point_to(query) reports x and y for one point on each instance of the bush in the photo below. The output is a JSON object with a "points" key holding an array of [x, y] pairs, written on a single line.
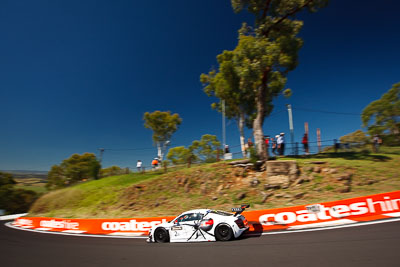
{"points": [[111, 171], [14, 200], [391, 140], [253, 155], [72, 170]]}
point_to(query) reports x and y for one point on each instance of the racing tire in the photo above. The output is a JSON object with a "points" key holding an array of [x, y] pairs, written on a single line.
{"points": [[223, 232], [161, 235]]}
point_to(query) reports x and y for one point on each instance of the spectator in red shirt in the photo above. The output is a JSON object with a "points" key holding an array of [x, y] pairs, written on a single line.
{"points": [[305, 143]]}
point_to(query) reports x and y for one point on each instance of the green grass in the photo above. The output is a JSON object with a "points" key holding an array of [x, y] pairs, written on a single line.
{"points": [[218, 185], [88, 198], [37, 185]]}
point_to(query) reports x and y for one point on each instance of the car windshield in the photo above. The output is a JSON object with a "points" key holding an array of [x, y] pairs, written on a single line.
{"points": [[188, 217]]}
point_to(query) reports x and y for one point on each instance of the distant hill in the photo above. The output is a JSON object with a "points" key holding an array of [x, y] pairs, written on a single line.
{"points": [[27, 173]]}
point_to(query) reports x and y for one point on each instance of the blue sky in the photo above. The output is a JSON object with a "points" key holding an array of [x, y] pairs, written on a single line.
{"points": [[76, 76]]}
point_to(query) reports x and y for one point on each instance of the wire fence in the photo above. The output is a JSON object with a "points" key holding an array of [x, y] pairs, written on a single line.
{"points": [[298, 149], [235, 152]]}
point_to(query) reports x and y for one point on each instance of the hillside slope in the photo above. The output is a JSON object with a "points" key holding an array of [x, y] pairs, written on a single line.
{"points": [[323, 177]]}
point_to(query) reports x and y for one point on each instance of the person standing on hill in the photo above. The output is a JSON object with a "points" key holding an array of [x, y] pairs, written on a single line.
{"points": [[305, 143], [139, 165], [281, 144], [227, 149], [377, 141], [154, 163], [248, 146], [266, 140], [274, 145]]}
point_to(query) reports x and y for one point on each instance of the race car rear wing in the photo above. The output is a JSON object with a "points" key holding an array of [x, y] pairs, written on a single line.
{"points": [[238, 211]]}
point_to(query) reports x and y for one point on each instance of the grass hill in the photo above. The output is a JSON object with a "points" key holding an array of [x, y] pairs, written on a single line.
{"points": [[323, 177]]}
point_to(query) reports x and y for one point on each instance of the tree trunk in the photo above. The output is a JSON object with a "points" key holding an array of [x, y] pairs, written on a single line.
{"points": [[159, 151], [259, 136], [259, 120], [241, 131]]}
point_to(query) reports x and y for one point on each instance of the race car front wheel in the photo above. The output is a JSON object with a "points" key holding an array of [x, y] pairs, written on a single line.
{"points": [[161, 235], [223, 233]]}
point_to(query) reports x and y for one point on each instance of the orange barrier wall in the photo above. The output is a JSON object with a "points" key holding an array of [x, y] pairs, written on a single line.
{"points": [[367, 208]]}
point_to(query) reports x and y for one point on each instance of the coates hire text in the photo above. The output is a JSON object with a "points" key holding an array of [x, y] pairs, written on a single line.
{"points": [[334, 212]]}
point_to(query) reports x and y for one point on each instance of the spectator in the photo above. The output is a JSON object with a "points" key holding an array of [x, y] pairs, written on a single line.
{"points": [[281, 144], [246, 149], [226, 149], [377, 141], [274, 145], [305, 143], [154, 163], [139, 165], [266, 140], [249, 145], [337, 146]]}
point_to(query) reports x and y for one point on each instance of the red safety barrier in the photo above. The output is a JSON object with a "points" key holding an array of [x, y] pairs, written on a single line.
{"points": [[346, 211], [374, 207]]}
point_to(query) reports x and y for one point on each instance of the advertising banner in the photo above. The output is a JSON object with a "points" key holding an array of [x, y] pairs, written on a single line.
{"points": [[368, 208]]}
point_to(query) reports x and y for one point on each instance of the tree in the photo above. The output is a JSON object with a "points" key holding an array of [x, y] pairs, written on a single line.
{"points": [[6, 179], [14, 200], [163, 124], [7, 183], [74, 169], [20, 200], [268, 52], [56, 178], [238, 100], [225, 85], [354, 137], [180, 155], [80, 167], [383, 115], [207, 148]]}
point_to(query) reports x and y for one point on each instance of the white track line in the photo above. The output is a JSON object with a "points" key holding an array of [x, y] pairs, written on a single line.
{"points": [[322, 224], [333, 227], [393, 214], [69, 234]]}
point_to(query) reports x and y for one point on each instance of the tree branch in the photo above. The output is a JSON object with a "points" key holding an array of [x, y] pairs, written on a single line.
{"points": [[294, 11], [265, 12]]}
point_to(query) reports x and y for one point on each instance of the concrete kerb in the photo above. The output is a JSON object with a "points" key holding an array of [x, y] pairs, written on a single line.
{"points": [[344, 225], [12, 217]]}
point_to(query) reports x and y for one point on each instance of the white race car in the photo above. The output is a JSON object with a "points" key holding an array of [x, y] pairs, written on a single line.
{"points": [[201, 225]]}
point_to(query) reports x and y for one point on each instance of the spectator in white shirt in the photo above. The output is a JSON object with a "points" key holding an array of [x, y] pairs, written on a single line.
{"points": [[281, 144]]}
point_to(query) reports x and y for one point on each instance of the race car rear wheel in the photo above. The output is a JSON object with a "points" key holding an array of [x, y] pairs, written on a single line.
{"points": [[223, 233], [161, 235]]}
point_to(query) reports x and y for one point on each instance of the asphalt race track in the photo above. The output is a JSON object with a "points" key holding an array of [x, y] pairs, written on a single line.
{"points": [[368, 245]]}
